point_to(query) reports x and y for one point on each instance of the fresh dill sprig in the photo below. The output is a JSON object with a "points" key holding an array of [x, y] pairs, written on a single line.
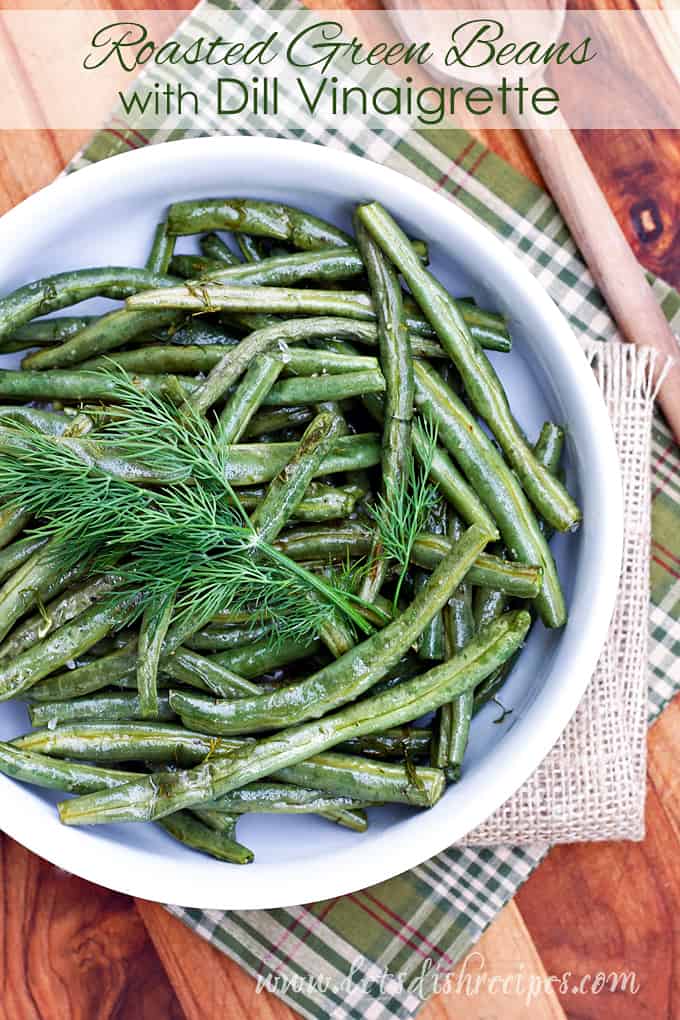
{"points": [[402, 513], [191, 538], [165, 431]]}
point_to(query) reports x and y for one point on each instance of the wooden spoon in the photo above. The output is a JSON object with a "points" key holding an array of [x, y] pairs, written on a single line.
{"points": [[595, 229]]}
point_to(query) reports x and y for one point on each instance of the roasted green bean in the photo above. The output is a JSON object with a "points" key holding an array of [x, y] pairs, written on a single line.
{"points": [[139, 800], [251, 216], [111, 706], [248, 396], [214, 248], [63, 289], [352, 674], [161, 250], [482, 385], [105, 334], [55, 650], [496, 484]]}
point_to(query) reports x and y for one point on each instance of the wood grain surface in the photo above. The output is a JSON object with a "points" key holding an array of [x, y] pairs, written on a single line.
{"points": [[70, 950]]}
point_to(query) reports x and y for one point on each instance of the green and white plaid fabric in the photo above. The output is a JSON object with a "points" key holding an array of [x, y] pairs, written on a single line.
{"points": [[380, 952]]}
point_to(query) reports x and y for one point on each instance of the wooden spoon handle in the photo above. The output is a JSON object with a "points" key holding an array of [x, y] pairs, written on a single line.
{"points": [[610, 259]]}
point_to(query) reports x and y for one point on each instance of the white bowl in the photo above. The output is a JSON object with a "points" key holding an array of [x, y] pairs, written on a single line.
{"points": [[106, 214]]}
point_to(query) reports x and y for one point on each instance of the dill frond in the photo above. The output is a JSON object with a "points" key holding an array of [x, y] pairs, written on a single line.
{"points": [[191, 538], [402, 514]]}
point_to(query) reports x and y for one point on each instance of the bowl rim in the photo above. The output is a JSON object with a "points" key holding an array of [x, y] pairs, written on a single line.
{"points": [[515, 758]]}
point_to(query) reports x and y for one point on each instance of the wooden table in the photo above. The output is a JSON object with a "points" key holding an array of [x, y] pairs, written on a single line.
{"points": [[70, 950]]}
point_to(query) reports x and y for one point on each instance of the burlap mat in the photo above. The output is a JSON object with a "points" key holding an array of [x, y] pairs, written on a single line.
{"points": [[592, 784]]}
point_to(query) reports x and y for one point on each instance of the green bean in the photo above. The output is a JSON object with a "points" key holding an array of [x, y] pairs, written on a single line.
{"points": [[518, 579], [162, 359], [431, 644], [54, 292], [352, 674], [350, 818], [55, 650], [280, 798], [192, 267], [69, 605], [253, 464], [287, 489], [488, 604], [105, 334], [216, 637], [74, 777], [351, 538], [262, 657], [261, 219], [152, 631], [284, 494], [190, 332], [367, 781], [248, 397], [193, 833], [39, 577], [283, 270], [161, 250], [396, 363], [407, 743], [270, 421], [548, 451], [50, 423], [251, 248], [235, 362], [453, 730], [16, 554], [305, 362], [186, 359], [453, 734], [207, 296], [422, 346], [214, 248], [112, 706], [47, 331], [145, 800], [549, 446], [488, 328], [317, 389], [198, 670], [319, 503], [52, 774], [348, 778], [13, 520], [218, 821], [482, 385], [496, 484], [100, 741], [116, 667], [70, 385], [461, 496]]}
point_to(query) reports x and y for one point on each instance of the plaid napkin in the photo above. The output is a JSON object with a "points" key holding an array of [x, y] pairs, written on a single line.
{"points": [[374, 954]]}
